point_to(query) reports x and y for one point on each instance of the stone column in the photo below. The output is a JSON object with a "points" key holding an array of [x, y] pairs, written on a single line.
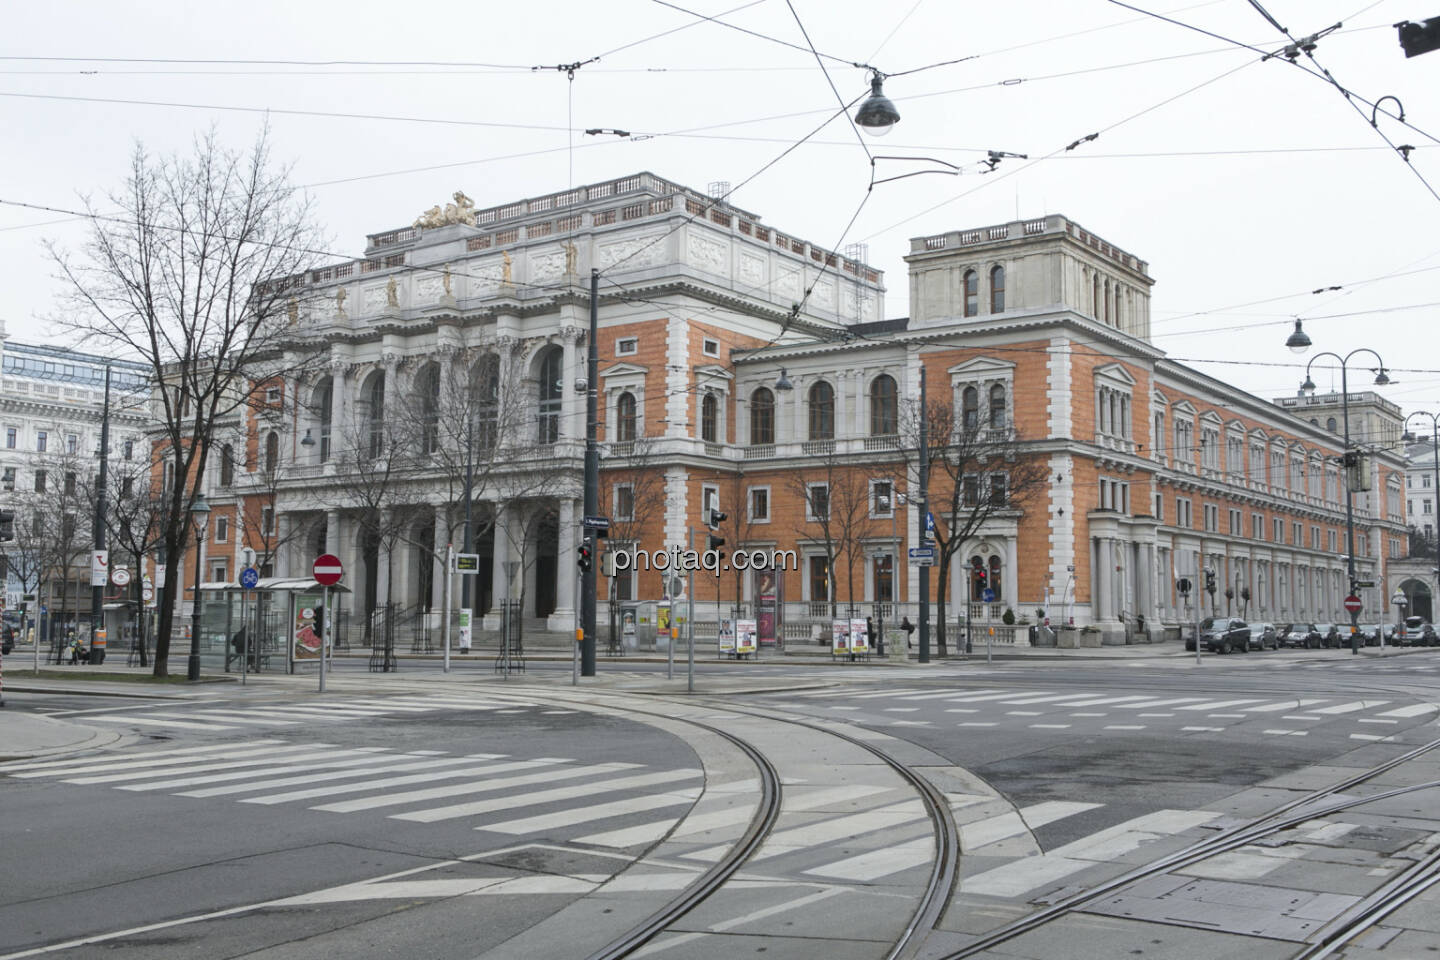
{"points": [[501, 553], [563, 618], [1105, 567], [572, 406], [796, 398], [383, 564], [1144, 592], [282, 537], [332, 532], [1011, 578]]}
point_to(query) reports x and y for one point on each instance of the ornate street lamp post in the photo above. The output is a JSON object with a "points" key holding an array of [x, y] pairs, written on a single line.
{"points": [[200, 513]]}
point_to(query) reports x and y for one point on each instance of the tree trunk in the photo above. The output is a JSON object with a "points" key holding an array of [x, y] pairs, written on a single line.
{"points": [[166, 619]]}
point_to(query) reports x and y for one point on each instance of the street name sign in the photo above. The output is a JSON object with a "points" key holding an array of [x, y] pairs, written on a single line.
{"points": [[924, 556]]}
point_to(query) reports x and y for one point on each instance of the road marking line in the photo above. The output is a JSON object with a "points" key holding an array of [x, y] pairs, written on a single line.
{"points": [[168, 724], [900, 710], [1349, 707], [1366, 736], [1414, 711], [1159, 703], [1024, 713], [599, 811], [1101, 701], [556, 795], [1053, 697], [1050, 726], [1283, 705], [1225, 716], [471, 786], [1373, 720], [978, 698], [1203, 729], [128, 772], [1217, 704], [961, 710], [1157, 715], [867, 867], [150, 758], [1088, 714], [975, 723], [1123, 726], [403, 762], [1288, 733]]}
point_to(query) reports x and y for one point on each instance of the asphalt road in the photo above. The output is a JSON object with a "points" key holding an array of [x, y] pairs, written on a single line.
{"points": [[248, 796]]}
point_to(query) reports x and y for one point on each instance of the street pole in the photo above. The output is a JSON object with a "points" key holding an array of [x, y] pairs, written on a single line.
{"points": [[192, 663], [445, 604], [690, 620], [467, 544], [592, 475], [97, 592], [924, 479], [324, 634]]}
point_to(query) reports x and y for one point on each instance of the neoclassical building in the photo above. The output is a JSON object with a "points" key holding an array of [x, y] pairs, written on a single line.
{"points": [[744, 368]]}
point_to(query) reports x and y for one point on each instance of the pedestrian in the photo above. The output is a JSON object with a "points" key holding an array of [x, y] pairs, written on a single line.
{"points": [[870, 636], [909, 628]]}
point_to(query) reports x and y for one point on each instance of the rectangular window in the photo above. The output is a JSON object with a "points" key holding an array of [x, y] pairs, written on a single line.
{"points": [[9, 481], [1425, 507], [1257, 526], [970, 490], [11, 434], [624, 501], [217, 572], [817, 505], [819, 578], [881, 499], [1212, 518], [128, 449], [1297, 534], [1160, 507], [1279, 530], [627, 346], [1425, 481], [711, 348], [222, 529], [39, 481], [759, 504], [999, 491], [1182, 512], [70, 484], [884, 566], [42, 439], [267, 521], [272, 395], [1236, 524], [1314, 538], [72, 443], [127, 486]]}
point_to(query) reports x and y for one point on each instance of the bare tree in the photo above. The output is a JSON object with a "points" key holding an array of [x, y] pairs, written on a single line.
{"points": [[52, 532], [134, 504], [193, 277], [979, 471], [836, 498]]}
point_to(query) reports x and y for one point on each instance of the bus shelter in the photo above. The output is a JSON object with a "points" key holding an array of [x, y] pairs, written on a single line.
{"points": [[280, 623]]}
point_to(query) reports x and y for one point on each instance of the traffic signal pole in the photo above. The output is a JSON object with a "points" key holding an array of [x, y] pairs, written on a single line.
{"points": [[924, 479]]}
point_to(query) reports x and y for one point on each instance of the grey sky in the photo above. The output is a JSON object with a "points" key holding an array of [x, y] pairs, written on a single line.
{"points": [[1270, 184]]}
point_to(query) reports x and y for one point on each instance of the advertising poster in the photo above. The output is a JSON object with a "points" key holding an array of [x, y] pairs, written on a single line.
{"points": [[662, 620], [859, 641], [726, 635], [840, 638], [307, 628], [744, 637], [627, 626], [767, 603], [464, 630]]}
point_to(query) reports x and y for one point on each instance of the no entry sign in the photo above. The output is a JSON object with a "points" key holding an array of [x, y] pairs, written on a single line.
{"points": [[327, 570], [1352, 604]]}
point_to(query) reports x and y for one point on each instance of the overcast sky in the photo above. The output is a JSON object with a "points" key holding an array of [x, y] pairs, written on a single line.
{"points": [[1244, 194]]}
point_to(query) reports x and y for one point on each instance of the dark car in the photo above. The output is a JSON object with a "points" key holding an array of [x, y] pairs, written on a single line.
{"points": [[1426, 636], [1332, 634], [1223, 635], [1370, 634], [1262, 637], [1307, 635]]}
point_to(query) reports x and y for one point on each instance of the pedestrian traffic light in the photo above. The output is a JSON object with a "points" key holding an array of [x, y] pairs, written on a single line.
{"points": [[716, 542], [585, 554], [7, 525]]}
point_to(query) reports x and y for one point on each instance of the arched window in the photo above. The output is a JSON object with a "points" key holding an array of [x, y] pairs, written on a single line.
{"points": [[1107, 301], [709, 418], [427, 399], [485, 387], [375, 414], [972, 293], [762, 416], [997, 290], [550, 389], [997, 407], [227, 465], [970, 409], [884, 416], [272, 452], [822, 412], [625, 417], [323, 403], [1330, 424]]}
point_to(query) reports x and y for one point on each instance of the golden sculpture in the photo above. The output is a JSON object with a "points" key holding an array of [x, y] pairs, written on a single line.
{"points": [[340, 296], [505, 266], [292, 310], [571, 255], [461, 211], [392, 296]]}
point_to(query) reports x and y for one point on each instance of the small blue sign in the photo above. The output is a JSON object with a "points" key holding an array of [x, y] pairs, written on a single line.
{"points": [[988, 595], [929, 522], [249, 577]]}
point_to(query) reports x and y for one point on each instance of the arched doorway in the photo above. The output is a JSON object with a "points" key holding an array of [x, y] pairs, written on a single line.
{"points": [[545, 541], [1422, 601]]}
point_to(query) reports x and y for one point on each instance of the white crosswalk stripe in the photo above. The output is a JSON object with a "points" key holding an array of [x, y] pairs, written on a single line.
{"points": [[479, 807], [485, 785]]}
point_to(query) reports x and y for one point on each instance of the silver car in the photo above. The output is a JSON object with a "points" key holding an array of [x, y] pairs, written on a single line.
{"points": [[1263, 637]]}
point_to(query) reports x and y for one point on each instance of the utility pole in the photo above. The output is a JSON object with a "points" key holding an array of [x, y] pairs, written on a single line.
{"points": [[97, 591], [592, 476], [924, 513]]}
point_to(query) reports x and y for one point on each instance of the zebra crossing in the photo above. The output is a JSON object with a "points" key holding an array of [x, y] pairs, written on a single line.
{"points": [[221, 717], [498, 794], [1111, 711]]}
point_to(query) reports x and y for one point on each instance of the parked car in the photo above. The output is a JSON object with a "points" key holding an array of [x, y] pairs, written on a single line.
{"points": [[1332, 634], [1305, 635], [1427, 637], [1262, 637], [1370, 634], [1223, 635]]}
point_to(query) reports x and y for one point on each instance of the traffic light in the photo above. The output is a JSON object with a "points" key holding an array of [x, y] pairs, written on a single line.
{"points": [[1418, 38], [1210, 582], [7, 525], [585, 554], [715, 542]]}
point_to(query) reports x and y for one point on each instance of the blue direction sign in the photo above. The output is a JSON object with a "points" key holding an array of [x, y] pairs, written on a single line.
{"points": [[929, 522], [249, 577], [988, 595], [924, 556]]}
